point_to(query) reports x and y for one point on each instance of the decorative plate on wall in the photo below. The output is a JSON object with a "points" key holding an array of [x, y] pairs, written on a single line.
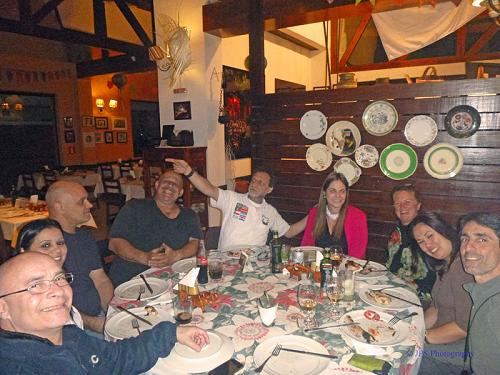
{"points": [[462, 121], [398, 161], [366, 156], [443, 161], [380, 118], [313, 124], [342, 138], [349, 169], [319, 157], [421, 130]]}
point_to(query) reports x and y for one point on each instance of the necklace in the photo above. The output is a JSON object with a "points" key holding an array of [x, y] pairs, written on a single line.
{"points": [[330, 214]]}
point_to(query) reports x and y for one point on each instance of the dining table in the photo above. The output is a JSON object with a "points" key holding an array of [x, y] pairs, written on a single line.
{"points": [[132, 188], [235, 314]]}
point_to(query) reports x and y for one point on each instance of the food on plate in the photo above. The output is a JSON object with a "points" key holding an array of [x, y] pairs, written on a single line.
{"points": [[379, 297], [351, 265], [150, 311], [372, 331], [367, 270], [237, 252]]}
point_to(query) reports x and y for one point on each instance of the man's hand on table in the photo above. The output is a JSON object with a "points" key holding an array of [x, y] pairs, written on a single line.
{"points": [[194, 337], [162, 257]]}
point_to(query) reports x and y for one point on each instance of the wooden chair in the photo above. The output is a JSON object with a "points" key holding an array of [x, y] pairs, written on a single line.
{"points": [[113, 197], [29, 186], [106, 171], [49, 177], [125, 169]]}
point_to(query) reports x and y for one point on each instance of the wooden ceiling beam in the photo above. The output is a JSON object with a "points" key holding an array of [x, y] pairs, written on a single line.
{"points": [[483, 39], [45, 10], [134, 23], [120, 63], [354, 41]]}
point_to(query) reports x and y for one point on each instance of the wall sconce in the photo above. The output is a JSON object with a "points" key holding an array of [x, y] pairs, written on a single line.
{"points": [[113, 103], [100, 104]]}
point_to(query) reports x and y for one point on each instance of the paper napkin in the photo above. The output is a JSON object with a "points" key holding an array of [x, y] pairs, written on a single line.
{"points": [[190, 279]]}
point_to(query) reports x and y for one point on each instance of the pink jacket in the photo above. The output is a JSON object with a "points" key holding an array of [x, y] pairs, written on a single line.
{"points": [[355, 228]]}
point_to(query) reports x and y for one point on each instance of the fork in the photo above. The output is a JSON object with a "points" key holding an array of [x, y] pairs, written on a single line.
{"points": [[135, 325], [397, 318], [142, 289], [275, 353]]}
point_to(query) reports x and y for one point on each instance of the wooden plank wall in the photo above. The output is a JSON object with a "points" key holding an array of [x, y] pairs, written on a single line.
{"points": [[278, 143]]}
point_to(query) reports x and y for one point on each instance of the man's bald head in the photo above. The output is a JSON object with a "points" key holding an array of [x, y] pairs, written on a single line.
{"points": [[68, 204], [42, 313]]}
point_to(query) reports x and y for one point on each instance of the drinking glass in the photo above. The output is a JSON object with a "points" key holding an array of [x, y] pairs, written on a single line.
{"points": [[183, 309], [336, 255], [335, 292], [307, 297], [215, 267]]}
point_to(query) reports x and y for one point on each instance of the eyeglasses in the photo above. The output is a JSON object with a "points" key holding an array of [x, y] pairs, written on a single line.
{"points": [[42, 286]]}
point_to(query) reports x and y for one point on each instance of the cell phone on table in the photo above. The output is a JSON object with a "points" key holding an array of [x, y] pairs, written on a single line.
{"points": [[227, 368]]}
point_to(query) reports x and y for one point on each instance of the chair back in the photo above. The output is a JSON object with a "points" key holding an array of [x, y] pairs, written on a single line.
{"points": [[49, 178], [111, 186], [28, 181], [106, 172], [125, 170]]}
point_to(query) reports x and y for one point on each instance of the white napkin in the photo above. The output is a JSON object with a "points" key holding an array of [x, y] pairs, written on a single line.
{"points": [[190, 279]]}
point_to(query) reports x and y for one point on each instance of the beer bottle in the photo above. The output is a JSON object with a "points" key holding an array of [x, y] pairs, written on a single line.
{"points": [[325, 267], [275, 253]]}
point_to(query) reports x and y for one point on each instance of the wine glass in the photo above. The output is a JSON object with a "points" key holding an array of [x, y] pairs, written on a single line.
{"points": [[307, 297], [335, 292], [336, 255]]}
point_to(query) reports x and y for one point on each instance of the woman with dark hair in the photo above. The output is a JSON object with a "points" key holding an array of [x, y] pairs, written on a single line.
{"points": [[334, 222], [44, 236], [447, 317]]}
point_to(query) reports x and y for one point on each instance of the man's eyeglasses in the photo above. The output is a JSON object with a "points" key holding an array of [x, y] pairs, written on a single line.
{"points": [[42, 286]]}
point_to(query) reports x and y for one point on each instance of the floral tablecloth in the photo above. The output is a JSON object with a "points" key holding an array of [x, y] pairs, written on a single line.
{"points": [[236, 315]]}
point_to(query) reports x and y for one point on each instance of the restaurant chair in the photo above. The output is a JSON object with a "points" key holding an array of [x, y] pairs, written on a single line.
{"points": [[29, 187], [106, 172], [212, 238], [49, 177], [113, 198], [125, 169], [106, 255]]}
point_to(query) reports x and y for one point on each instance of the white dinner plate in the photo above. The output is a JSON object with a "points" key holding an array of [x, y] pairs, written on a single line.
{"points": [[380, 118], [375, 323], [313, 124], [349, 169], [184, 265], [342, 138], [443, 160], [319, 157], [234, 252], [366, 156], [176, 363], [288, 362], [364, 294], [129, 290], [371, 266], [421, 130], [119, 326]]}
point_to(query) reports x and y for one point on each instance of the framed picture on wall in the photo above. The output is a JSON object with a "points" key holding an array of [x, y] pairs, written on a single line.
{"points": [[121, 137], [182, 110], [99, 137], [68, 122], [88, 140], [88, 122], [119, 123], [69, 136], [108, 137], [101, 122]]}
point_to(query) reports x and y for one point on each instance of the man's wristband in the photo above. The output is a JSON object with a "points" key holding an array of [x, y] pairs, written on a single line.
{"points": [[190, 174]]}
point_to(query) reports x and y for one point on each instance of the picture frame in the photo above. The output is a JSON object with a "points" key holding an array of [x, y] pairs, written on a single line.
{"points": [[68, 122], [69, 136], [121, 137], [119, 123], [88, 139], [101, 122], [108, 137], [99, 137], [87, 122], [182, 110]]}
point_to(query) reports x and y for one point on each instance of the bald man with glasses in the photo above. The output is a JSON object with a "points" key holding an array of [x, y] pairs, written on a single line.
{"points": [[35, 302]]}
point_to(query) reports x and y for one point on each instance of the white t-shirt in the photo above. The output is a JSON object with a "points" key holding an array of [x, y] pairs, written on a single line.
{"points": [[245, 222]]}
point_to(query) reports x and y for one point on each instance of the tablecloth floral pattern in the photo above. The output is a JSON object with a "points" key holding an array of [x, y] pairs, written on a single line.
{"points": [[236, 315]]}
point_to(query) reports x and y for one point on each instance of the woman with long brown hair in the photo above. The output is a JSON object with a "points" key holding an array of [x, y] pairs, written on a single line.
{"points": [[334, 222]]}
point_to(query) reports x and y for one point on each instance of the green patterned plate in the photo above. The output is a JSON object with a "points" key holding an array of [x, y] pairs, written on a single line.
{"points": [[398, 161], [443, 161]]}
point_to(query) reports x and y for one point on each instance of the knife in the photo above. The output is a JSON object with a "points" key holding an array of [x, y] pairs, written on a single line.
{"points": [[331, 356], [402, 299], [332, 326], [134, 315], [147, 284]]}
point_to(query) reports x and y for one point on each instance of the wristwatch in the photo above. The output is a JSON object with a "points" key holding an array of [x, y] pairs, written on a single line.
{"points": [[190, 174]]}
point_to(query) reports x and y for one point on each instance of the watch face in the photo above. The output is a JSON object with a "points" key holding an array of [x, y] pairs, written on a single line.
{"points": [[462, 121]]}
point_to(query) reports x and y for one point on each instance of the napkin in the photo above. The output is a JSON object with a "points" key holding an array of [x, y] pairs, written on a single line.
{"points": [[319, 257], [190, 279]]}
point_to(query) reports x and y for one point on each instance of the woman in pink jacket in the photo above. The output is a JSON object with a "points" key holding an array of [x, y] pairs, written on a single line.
{"points": [[334, 222]]}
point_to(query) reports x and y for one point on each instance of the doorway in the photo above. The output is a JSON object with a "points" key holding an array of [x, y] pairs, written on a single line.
{"points": [[145, 125]]}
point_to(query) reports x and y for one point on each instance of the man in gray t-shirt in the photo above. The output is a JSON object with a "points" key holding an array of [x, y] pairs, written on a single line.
{"points": [[154, 232]]}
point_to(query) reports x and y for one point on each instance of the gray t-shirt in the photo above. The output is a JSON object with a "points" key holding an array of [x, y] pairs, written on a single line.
{"points": [[141, 223]]}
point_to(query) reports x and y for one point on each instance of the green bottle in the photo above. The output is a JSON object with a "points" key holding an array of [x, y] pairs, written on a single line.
{"points": [[325, 267], [275, 253]]}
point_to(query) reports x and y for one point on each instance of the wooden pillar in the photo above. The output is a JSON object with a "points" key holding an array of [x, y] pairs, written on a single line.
{"points": [[256, 47]]}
